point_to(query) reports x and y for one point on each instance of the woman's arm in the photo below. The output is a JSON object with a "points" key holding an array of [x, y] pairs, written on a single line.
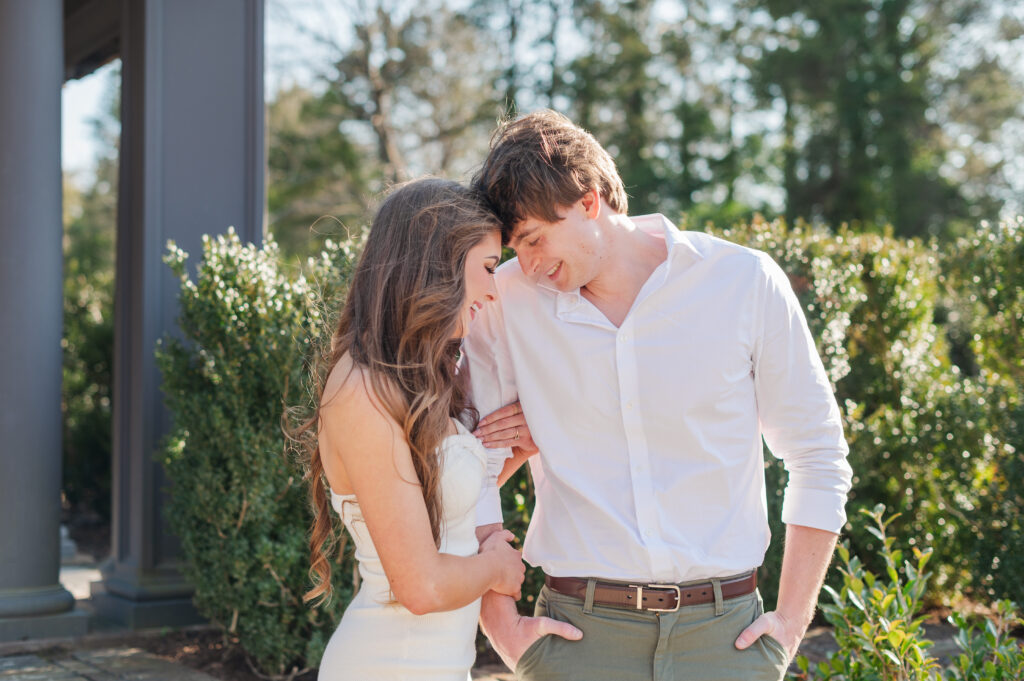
{"points": [[512, 464], [375, 461]]}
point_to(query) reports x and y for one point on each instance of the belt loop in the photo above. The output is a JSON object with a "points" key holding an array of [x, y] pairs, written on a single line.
{"points": [[588, 599], [719, 601]]}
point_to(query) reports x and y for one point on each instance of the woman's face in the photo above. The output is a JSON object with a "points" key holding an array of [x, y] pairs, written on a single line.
{"points": [[481, 262]]}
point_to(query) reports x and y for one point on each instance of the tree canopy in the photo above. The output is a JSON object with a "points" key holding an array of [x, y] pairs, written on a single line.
{"points": [[874, 112]]}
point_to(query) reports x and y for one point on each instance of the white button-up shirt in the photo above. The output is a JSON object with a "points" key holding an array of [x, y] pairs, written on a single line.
{"points": [[651, 463]]}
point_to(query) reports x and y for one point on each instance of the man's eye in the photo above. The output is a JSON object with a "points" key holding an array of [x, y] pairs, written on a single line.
{"points": [[533, 242]]}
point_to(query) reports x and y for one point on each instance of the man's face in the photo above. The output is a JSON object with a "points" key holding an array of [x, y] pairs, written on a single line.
{"points": [[566, 254]]}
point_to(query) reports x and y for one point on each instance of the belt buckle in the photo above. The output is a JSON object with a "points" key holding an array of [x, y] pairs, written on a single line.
{"points": [[668, 587]]}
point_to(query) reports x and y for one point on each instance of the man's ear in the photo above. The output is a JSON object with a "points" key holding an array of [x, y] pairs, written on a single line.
{"points": [[591, 202]]}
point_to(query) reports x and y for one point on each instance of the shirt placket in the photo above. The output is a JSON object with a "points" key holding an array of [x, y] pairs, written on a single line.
{"points": [[627, 363]]}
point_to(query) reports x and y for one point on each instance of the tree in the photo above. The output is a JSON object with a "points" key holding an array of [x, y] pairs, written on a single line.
{"points": [[869, 89], [90, 227], [409, 94]]}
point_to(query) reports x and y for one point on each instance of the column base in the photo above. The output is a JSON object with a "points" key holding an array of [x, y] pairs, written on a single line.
{"points": [[138, 614], [62, 625], [35, 601]]}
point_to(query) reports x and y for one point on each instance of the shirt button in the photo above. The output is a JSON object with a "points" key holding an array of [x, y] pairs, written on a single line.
{"points": [[629, 405], [647, 533]]}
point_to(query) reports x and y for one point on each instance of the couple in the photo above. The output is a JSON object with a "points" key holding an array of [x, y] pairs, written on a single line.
{"points": [[648, 363]]}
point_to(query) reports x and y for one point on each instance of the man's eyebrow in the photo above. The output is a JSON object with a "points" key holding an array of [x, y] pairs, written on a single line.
{"points": [[522, 235]]}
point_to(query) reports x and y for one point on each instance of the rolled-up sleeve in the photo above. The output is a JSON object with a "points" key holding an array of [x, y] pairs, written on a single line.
{"points": [[492, 385], [797, 409]]}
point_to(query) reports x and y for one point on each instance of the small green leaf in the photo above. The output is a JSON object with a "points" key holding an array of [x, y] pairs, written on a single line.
{"points": [[889, 655]]}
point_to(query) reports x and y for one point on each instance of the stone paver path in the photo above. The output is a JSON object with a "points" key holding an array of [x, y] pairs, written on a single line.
{"points": [[108, 662], [111, 664]]}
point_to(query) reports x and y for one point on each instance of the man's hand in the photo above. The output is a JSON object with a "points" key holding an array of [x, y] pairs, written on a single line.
{"points": [[778, 627], [804, 562], [511, 633]]}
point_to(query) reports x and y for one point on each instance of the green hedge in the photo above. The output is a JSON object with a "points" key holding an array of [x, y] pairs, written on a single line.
{"points": [[936, 440], [935, 444], [237, 500]]}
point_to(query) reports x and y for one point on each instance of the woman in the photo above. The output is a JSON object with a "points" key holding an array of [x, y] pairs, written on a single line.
{"points": [[394, 444]]}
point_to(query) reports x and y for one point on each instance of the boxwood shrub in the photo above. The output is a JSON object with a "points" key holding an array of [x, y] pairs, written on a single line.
{"points": [[921, 342], [249, 326]]}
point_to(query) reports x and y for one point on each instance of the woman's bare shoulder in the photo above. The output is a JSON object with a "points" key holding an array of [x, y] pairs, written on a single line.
{"points": [[350, 400], [357, 432], [348, 391]]}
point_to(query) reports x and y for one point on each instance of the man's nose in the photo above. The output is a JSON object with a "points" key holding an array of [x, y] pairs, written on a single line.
{"points": [[528, 262]]}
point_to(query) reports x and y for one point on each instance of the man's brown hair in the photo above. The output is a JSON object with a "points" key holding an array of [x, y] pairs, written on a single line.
{"points": [[541, 161]]}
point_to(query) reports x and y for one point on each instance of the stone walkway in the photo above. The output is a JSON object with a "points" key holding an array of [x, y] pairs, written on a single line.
{"points": [[131, 664], [56, 663], [112, 664]]}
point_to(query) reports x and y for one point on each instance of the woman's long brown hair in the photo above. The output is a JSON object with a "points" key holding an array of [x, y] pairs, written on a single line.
{"points": [[401, 314]]}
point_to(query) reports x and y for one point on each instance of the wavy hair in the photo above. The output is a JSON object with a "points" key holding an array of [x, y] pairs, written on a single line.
{"points": [[398, 325]]}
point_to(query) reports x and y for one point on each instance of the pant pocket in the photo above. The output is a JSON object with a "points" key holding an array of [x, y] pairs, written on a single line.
{"points": [[527, 664], [774, 651], [527, 661], [775, 648]]}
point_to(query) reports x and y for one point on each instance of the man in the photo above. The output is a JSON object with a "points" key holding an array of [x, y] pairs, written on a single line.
{"points": [[648, 363]]}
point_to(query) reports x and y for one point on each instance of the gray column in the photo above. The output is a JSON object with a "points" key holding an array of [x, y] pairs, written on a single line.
{"points": [[191, 164], [32, 602]]}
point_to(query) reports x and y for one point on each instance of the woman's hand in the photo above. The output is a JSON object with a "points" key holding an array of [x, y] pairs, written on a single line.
{"points": [[511, 569], [506, 427]]}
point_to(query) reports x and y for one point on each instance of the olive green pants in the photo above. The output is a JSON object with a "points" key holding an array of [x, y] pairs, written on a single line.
{"points": [[692, 644]]}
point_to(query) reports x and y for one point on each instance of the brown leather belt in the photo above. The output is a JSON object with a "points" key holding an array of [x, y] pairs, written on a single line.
{"points": [[651, 597]]}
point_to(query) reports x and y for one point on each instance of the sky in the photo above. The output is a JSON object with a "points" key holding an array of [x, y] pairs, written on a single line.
{"points": [[81, 100]]}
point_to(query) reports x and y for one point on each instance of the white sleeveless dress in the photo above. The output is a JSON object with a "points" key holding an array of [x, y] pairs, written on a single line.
{"points": [[378, 640]]}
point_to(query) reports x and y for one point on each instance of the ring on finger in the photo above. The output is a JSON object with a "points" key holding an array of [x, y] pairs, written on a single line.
{"points": [[516, 436]]}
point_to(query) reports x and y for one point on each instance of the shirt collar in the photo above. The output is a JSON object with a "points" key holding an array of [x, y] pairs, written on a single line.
{"points": [[681, 253], [681, 250]]}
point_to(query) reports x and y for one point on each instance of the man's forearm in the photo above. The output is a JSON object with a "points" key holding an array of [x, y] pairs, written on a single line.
{"points": [[805, 560], [497, 613]]}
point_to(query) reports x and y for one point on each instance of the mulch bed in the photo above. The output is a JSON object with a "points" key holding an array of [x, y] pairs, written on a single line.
{"points": [[207, 651]]}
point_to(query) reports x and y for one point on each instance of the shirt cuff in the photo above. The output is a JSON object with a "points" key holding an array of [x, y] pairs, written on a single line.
{"points": [[488, 507], [817, 508]]}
